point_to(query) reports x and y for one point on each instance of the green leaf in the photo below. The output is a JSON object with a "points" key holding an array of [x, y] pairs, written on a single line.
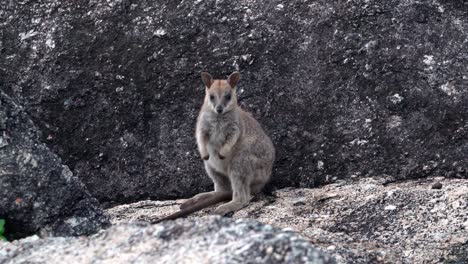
{"points": [[2, 229], [2, 226]]}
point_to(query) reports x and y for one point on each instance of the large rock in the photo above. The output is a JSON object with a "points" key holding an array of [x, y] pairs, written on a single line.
{"points": [[37, 193], [344, 88], [364, 221], [208, 240]]}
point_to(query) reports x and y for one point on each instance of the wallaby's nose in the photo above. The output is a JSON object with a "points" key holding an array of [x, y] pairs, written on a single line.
{"points": [[219, 109]]}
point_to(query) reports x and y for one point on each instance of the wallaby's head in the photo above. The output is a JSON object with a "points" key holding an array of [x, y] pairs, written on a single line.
{"points": [[221, 94]]}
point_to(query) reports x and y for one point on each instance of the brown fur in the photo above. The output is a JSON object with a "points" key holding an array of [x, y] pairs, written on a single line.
{"points": [[238, 155]]}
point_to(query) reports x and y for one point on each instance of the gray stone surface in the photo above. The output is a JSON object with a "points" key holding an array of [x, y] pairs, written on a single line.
{"points": [[364, 221], [206, 240], [37, 193], [345, 88]]}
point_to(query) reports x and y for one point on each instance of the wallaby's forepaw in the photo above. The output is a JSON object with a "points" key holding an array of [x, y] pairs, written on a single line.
{"points": [[204, 153], [222, 153]]}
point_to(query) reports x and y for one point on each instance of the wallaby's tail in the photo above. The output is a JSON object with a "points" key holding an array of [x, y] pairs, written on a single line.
{"points": [[216, 198]]}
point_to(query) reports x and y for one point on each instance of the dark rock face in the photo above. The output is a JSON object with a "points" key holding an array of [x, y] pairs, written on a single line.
{"points": [[206, 240], [344, 88], [38, 193]]}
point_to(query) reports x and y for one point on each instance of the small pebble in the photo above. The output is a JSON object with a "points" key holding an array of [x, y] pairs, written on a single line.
{"points": [[437, 185], [299, 203]]}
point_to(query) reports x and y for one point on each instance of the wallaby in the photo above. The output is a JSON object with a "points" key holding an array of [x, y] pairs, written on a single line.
{"points": [[237, 154]]}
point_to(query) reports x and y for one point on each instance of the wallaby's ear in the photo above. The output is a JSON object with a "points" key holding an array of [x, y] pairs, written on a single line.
{"points": [[233, 79], [207, 79]]}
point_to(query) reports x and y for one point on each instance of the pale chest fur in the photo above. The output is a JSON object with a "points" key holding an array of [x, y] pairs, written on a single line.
{"points": [[217, 129]]}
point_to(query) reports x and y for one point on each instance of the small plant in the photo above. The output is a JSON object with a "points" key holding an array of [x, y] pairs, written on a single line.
{"points": [[2, 229]]}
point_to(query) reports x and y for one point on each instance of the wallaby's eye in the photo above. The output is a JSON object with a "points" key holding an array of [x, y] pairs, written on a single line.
{"points": [[211, 97], [228, 97]]}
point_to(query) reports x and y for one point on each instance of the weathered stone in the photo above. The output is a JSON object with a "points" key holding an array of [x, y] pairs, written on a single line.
{"points": [[437, 185], [207, 240], [37, 193], [366, 221], [344, 88]]}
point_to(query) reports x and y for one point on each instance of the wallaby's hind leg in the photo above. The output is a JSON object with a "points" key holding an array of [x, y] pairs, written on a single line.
{"points": [[197, 198], [244, 186], [262, 177], [221, 184], [241, 192]]}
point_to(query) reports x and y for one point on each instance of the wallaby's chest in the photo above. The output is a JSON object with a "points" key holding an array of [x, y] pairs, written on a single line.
{"points": [[217, 130]]}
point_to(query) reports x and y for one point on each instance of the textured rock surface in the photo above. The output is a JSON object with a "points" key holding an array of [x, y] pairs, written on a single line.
{"points": [[38, 193], [207, 240], [368, 221], [345, 88]]}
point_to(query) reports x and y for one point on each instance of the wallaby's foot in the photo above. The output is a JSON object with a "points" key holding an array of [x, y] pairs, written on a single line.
{"points": [[197, 198], [228, 207]]}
